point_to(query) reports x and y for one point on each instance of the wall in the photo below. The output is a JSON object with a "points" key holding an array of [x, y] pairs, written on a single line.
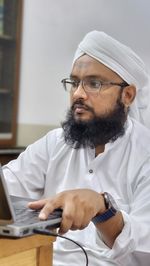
{"points": [[51, 31]]}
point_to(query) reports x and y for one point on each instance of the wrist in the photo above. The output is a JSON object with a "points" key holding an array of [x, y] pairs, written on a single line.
{"points": [[108, 209]]}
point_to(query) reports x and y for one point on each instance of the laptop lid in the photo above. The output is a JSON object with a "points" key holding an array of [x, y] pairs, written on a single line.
{"points": [[9, 224], [7, 214]]}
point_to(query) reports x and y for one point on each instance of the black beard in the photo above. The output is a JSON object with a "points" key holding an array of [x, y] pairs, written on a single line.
{"points": [[98, 131]]}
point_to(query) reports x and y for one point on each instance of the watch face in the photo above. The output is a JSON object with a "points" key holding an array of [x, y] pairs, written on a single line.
{"points": [[110, 201]]}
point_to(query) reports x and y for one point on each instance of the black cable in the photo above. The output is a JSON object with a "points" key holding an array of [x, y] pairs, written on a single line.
{"points": [[50, 233]]}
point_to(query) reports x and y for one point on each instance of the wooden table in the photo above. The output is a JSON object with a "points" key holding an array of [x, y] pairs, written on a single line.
{"points": [[36, 250]]}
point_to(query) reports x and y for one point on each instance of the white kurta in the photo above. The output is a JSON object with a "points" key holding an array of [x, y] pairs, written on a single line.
{"points": [[49, 166]]}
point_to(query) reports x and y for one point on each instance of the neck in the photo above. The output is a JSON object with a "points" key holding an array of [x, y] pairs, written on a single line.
{"points": [[99, 149]]}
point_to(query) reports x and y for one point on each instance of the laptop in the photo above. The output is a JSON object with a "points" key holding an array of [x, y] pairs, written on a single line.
{"points": [[16, 219]]}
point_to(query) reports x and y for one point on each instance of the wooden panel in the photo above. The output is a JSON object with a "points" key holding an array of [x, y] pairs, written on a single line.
{"points": [[36, 250], [26, 258], [11, 246], [45, 255]]}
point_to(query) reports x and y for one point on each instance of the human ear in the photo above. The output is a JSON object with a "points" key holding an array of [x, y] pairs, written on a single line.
{"points": [[128, 95]]}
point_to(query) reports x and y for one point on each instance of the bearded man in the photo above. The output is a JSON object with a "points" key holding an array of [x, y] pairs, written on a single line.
{"points": [[96, 168]]}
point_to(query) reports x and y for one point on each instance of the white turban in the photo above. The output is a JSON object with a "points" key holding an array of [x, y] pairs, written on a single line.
{"points": [[122, 60]]}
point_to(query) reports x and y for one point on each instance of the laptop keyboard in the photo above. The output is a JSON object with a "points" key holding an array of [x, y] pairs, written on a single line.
{"points": [[28, 216]]}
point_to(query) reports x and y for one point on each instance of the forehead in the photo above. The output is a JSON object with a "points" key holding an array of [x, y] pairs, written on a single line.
{"points": [[88, 66]]}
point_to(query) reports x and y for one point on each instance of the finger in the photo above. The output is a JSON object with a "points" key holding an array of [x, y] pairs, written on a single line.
{"points": [[82, 219], [81, 227], [67, 218], [37, 204], [49, 207], [79, 220], [66, 224]]}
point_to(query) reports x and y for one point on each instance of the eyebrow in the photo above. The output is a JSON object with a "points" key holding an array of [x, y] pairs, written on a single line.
{"points": [[90, 76]]}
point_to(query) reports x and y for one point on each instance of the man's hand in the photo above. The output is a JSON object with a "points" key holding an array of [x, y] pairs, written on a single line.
{"points": [[79, 207]]}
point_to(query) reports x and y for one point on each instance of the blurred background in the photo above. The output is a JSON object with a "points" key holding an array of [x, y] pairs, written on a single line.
{"points": [[50, 33]]}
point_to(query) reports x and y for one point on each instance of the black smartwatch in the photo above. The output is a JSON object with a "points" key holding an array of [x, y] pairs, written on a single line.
{"points": [[111, 209]]}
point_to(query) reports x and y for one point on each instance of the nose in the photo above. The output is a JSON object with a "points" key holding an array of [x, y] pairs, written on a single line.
{"points": [[79, 92]]}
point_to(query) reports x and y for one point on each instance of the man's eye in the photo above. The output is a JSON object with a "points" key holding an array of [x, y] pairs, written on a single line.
{"points": [[94, 84]]}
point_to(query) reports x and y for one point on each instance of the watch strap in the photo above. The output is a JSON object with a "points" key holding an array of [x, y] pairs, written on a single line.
{"points": [[104, 216], [110, 210]]}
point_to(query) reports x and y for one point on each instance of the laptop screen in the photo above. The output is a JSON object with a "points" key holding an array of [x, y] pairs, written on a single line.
{"points": [[5, 213]]}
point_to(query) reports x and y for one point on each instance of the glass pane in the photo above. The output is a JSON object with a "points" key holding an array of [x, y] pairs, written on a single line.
{"points": [[5, 115], [10, 11]]}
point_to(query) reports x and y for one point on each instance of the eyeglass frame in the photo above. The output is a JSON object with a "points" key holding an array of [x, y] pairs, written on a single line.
{"points": [[63, 81]]}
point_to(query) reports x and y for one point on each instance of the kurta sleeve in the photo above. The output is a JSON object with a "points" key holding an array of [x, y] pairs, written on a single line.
{"points": [[25, 176], [134, 237]]}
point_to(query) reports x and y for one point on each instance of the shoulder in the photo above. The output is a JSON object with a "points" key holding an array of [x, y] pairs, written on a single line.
{"points": [[55, 135], [140, 128], [52, 136], [47, 143]]}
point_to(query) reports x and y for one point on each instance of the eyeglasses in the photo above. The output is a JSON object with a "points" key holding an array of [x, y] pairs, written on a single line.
{"points": [[90, 85]]}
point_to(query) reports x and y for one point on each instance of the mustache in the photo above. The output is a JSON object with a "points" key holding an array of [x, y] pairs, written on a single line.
{"points": [[80, 103]]}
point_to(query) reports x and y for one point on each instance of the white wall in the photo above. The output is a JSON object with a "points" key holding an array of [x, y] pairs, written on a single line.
{"points": [[51, 31]]}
